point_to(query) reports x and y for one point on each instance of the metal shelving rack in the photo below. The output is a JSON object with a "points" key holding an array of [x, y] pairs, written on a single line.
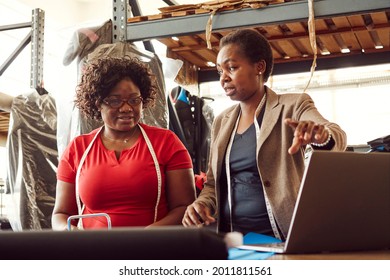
{"points": [[36, 37], [273, 14], [37, 44], [119, 20], [282, 13]]}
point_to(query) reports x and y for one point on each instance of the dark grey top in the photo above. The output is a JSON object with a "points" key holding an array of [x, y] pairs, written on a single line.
{"points": [[249, 212]]}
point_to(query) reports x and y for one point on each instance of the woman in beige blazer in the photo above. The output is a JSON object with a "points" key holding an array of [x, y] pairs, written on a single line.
{"points": [[257, 146]]}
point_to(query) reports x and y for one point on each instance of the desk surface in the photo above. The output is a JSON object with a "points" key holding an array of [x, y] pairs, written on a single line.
{"points": [[360, 255]]}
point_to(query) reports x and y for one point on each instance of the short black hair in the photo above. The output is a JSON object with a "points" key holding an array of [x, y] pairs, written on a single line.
{"points": [[253, 45]]}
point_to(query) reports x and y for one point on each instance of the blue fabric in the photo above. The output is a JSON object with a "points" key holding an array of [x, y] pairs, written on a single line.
{"points": [[252, 238], [183, 96]]}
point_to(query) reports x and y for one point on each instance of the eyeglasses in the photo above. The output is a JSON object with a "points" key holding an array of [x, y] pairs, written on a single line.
{"points": [[117, 103]]}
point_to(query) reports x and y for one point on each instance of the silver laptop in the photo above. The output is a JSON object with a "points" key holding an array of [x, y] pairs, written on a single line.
{"points": [[343, 205]]}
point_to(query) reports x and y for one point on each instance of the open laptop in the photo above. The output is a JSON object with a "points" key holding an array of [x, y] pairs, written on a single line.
{"points": [[343, 205]]}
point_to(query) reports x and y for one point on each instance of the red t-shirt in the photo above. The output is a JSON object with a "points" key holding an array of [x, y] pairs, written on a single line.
{"points": [[125, 189]]}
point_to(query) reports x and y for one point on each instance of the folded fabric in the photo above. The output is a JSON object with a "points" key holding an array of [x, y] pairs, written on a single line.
{"points": [[252, 238]]}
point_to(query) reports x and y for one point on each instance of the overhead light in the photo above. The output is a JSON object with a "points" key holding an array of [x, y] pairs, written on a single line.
{"points": [[305, 55], [345, 50], [286, 57], [379, 47], [210, 64], [175, 38], [325, 52]]}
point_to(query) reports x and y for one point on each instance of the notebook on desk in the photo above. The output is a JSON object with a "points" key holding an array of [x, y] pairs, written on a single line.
{"points": [[343, 205]]}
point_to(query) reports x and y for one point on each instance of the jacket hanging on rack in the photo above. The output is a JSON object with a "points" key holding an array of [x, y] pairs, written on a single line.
{"points": [[196, 118]]}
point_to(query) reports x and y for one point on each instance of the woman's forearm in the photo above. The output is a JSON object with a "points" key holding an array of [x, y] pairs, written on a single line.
{"points": [[59, 221]]}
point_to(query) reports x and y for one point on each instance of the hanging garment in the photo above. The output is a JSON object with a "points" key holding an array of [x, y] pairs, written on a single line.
{"points": [[32, 161], [69, 120]]}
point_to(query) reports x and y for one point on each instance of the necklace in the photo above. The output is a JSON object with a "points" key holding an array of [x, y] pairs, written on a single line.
{"points": [[126, 140]]}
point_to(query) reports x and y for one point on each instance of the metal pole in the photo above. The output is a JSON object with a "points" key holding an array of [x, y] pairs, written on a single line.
{"points": [[119, 21], [37, 43]]}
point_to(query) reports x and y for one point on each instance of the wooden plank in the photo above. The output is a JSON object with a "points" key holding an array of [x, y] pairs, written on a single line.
{"points": [[214, 38], [4, 121], [301, 47], [384, 36], [330, 43], [169, 42], [379, 18], [341, 22], [188, 40], [176, 8], [226, 5], [158, 16], [321, 25], [276, 54], [351, 41], [201, 11], [306, 43], [207, 55], [289, 49], [296, 27], [193, 58], [137, 19], [224, 32], [356, 20], [182, 13], [277, 50], [273, 30], [365, 40]]}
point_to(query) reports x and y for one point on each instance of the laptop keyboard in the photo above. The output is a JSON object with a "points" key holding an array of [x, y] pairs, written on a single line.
{"points": [[273, 245]]}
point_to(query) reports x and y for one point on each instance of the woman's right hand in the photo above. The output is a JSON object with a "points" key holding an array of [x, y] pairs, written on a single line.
{"points": [[197, 215]]}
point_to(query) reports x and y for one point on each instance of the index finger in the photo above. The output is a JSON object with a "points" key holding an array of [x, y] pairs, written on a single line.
{"points": [[203, 214]]}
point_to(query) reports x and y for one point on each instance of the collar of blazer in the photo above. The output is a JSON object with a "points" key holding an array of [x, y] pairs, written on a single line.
{"points": [[271, 116]]}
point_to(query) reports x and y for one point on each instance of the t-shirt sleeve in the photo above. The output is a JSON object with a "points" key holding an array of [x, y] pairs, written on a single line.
{"points": [[179, 158], [67, 167]]}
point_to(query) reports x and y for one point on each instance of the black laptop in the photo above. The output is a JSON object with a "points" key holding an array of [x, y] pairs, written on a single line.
{"points": [[158, 243]]}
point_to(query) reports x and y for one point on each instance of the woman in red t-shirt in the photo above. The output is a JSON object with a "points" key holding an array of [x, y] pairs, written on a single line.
{"points": [[137, 175]]}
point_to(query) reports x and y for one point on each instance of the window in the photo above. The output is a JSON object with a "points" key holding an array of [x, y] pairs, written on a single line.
{"points": [[355, 98]]}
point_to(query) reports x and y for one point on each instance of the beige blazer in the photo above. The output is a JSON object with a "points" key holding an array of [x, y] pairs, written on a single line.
{"points": [[280, 172]]}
